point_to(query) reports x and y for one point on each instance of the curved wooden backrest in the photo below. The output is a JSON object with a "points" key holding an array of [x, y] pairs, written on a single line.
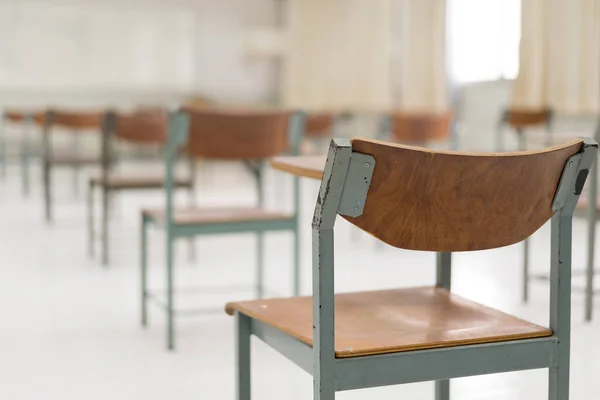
{"points": [[421, 199], [420, 127], [148, 127], [77, 119], [319, 125], [20, 116], [237, 134], [520, 118]]}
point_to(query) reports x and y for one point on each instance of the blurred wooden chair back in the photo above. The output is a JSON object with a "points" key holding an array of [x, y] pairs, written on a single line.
{"points": [[141, 127], [220, 134], [419, 128], [74, 120], [319, 125], [522, 118]]}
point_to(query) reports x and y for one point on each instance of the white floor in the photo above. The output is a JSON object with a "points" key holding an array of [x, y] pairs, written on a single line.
{"points": [[69, 329]]}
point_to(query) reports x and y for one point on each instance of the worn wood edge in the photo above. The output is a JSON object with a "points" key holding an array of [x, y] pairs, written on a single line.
{"points": [[473, 154]]}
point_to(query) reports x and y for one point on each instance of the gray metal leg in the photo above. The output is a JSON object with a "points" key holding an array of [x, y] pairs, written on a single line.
{"points": [[106, 194], [144, 269], [76, 167], [192, 239], [47, 191], [3, 152], [296, 277], [526, 270], [443, 279], [589, 284], [560, 304], [25, 159], [260, 265], [170, 302], [243, 376], [442, 390], [90, 219]]}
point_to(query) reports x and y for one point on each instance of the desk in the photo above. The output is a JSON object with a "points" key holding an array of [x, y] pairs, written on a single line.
{"points": [[302, 166]]}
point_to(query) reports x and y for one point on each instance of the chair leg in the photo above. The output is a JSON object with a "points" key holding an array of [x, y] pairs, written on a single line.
{"points": [[90, 219], [192, 239], [558, 383], [296, 278], [47, 192], [144, 269], [526, 270], [442, 390], [105, 215], [260, 265], [589, 284], [243, 376], [170, 307]]}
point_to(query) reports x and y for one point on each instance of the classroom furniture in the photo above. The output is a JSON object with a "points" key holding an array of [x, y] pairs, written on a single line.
{"points": [[583, 210], [142, 128], [26, 120], [522, 119], [223, 135], [319, 128], [76, 122], [419, 199]]}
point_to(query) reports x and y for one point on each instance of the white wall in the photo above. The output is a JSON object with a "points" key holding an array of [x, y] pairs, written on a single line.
{"points": [[99, 51]]}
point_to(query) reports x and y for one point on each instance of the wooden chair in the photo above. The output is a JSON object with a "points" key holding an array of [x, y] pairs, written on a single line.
{"points": [[418, 129], [212, 134], [27, 120], [144, 128], [418, 199], [76, 122], [319, 129], [521, 119]]}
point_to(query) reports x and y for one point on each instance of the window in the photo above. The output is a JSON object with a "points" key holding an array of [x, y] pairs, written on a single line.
{"points": [[484, 39]]}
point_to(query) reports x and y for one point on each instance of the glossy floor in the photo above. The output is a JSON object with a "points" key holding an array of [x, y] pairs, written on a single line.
{"points": [[69, 329]]}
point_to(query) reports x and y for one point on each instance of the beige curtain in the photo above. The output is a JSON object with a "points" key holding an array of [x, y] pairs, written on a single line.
{"points": [[337, 55], [559, 56], [421, 64]]}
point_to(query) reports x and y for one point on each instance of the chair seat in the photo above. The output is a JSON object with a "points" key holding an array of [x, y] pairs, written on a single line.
{"points": [[391, 321], [202, 216], [73, 159], [133, 181]]}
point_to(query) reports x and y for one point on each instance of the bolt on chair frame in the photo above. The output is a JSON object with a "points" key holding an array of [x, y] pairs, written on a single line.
{"points": [[135, 128], [344, 191], [178, 133]]}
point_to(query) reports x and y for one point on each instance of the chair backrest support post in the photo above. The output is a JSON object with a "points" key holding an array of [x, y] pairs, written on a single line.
{"points": [[326, 209]]}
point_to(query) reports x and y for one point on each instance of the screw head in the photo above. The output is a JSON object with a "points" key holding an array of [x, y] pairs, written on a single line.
{"points": [[367, 164], [355, 208], [570, 163], [557, 204]]}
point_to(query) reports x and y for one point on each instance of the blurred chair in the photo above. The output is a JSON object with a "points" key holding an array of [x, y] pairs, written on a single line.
{"points": [[212, 134], [418, 129], [583, 210], [75, 122], [420, 199], [145, 128], [522, 119], [27, 120], [319, 128]]}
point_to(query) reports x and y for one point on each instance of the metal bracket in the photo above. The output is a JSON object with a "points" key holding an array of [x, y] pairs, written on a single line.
{"points": [[356, 187], [567, 180]]}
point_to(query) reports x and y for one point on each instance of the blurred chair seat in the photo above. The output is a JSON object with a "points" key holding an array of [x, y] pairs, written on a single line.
{"points": [[132, 181], [73, 159], [196, 216], [390, 321]]}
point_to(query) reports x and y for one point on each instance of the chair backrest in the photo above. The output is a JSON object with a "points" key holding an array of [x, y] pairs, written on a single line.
{"points": [[142, 127], [420, 127], [421, 199], [21, 116], [319, 124], [520, 118], [74, 120], [237, 135]]}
